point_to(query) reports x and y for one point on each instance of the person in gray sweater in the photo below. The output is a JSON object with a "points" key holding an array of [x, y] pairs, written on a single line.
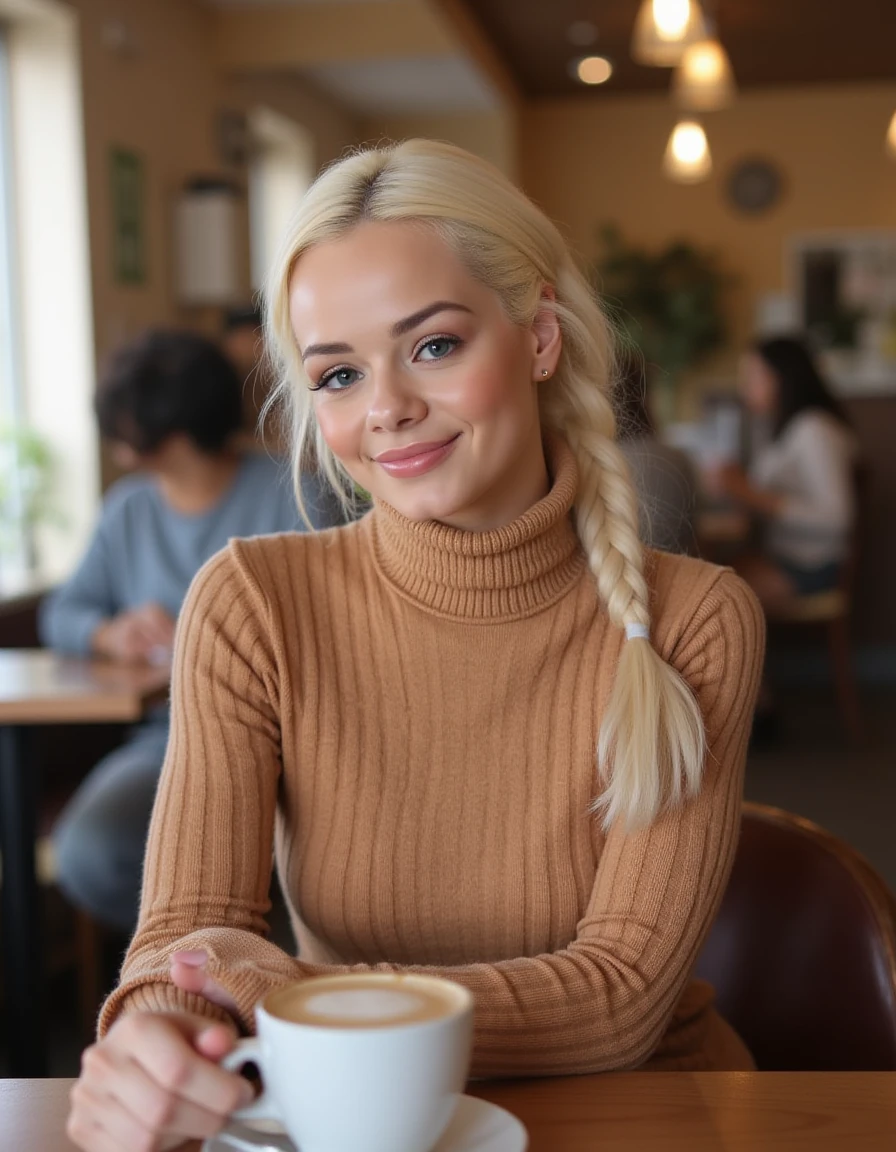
{"points": [[663, 477], [170, 407]]}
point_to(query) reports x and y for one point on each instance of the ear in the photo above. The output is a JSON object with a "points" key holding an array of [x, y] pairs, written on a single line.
{"points": [[547, 340]]}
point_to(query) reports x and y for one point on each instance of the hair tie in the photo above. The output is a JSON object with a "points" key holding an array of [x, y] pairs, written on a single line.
{"points": [[637, 632]]}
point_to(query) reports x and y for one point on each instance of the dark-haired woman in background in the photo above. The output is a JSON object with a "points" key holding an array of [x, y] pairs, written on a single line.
{"points": [[170, 408], [801, 485]]}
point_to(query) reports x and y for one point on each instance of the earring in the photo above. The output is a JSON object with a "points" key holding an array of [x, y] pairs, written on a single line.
{"points": [[545, 372]]}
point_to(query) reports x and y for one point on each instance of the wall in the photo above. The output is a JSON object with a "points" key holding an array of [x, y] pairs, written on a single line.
{"points": [[491, 135], [594, 159], [159, 95]]}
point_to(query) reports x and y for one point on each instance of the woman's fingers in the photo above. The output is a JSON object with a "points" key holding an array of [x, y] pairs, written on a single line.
{"points": [[99, 1123], [152, 1082], [163, 1046], [154, 1108]]}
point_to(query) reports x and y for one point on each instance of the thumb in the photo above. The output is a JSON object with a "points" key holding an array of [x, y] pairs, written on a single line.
{"points": [[189, 974]]}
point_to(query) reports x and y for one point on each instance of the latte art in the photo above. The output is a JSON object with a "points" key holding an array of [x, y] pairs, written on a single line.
{"points": [[365, 1002]]}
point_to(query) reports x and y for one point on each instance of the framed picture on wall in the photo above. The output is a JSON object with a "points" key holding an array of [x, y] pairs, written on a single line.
{"points": [[844, 284], [128, 216]]}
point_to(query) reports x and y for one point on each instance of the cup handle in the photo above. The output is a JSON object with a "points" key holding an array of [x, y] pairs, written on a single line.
{"points": [[246, 1052]]}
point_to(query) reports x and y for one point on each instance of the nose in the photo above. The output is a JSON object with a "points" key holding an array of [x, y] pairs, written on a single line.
{"points": [[395, 402]]}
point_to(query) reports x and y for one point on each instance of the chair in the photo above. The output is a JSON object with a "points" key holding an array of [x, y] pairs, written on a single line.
{"points": [[803, 953], [833, 609]]}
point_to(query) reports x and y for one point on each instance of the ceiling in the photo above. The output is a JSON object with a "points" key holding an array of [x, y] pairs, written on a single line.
{"points": [[770, 42]]}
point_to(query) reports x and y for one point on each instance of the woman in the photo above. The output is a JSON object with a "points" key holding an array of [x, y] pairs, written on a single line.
{"points": [[414, 707], [169, 407], [801, 485]]}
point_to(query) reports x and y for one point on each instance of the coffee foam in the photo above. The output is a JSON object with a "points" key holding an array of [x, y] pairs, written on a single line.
{"points": [[364, 1003]]}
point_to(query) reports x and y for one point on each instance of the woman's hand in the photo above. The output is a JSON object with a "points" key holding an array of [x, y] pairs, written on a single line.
{"points": [[732, 481], [154, 1082], [139, 635]]}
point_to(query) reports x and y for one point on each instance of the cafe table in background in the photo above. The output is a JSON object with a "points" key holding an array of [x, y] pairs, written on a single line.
{"points": [[37, 688], [620, 1112]]}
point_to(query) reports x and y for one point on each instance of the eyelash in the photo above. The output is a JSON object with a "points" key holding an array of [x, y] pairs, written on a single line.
{"points": [[454, 341]]}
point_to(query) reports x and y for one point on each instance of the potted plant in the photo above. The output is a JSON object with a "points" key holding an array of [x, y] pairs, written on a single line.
{"points": [[668, 304], [26, 474]]}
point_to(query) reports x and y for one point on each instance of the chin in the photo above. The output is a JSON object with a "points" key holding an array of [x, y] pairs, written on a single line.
{"points": [[425, 506]]}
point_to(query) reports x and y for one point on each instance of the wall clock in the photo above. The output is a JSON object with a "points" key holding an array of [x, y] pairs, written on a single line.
{"points": [[754, 186]]}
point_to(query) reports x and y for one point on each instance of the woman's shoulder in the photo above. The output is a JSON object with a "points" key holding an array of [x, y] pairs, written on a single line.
{"points": [[698, 607], [290, 565], [814, 427]]}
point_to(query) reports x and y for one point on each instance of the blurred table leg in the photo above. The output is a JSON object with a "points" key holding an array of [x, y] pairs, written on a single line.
{"points": [[20, 908]]}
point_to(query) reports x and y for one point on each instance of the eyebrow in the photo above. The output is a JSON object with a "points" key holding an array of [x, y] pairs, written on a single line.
{"points": [[399, 328]]}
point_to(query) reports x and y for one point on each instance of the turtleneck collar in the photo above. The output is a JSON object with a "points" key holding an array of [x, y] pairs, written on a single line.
{"points": [[487, 577]]}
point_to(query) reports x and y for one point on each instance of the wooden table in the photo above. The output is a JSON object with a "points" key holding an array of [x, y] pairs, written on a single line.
{"points": [[38, 687], [628, 1112]]}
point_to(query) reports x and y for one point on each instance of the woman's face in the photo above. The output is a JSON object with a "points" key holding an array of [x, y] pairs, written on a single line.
{"points": [[758, 385], [423, 388]]}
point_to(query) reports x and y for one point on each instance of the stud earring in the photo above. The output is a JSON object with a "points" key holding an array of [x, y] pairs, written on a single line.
{"points": [[545, 372]]}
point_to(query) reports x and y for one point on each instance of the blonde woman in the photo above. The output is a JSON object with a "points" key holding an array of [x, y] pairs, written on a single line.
{"points": [[489, 735]]}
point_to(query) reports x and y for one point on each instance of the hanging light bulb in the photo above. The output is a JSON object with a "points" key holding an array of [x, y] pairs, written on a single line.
{"points": [[704, 81], [891, 137], [687, 159], [664, 28]]}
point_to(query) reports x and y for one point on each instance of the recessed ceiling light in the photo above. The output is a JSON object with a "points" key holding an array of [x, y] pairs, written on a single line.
{"points": [[594, 70], [581, 33]]}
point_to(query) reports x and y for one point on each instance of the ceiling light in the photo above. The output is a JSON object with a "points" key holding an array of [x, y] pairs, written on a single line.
{"points": [[581, 33], [594, 70], [891, 136], [704, 80], [664, 28], [687, 158]]}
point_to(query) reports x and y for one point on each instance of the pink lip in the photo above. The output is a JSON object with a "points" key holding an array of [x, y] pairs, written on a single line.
{"points": [[415, 459]]}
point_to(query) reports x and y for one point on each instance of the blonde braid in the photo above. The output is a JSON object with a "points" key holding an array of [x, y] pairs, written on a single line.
{"points": [[651, 745]]}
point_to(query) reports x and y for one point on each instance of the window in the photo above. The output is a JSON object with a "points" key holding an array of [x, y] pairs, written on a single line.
{"points": [[14, 544], [281, 168], [48, 443]]}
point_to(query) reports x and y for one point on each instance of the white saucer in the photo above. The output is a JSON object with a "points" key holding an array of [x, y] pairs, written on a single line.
{"points": [[476, 1126]]}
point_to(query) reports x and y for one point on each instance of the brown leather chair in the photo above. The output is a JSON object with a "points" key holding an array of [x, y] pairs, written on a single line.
{"points": [[803, 953]]}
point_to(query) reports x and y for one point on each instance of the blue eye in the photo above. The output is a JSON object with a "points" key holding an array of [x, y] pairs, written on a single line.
{"points": [[337, 380], [437, 347]]}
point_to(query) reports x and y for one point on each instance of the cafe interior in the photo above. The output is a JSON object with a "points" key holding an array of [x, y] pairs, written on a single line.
{"points": [[724, 172]]}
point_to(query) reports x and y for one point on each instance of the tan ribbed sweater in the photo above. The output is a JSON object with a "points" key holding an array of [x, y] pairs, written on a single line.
{"points": [[410, 713]]}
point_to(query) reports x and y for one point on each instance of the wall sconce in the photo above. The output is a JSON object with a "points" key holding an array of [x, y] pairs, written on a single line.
{"points": [[208, 247]]}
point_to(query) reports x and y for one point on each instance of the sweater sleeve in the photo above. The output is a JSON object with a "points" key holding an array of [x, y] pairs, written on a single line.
{"points": [[604, 1001], [208, 862]]}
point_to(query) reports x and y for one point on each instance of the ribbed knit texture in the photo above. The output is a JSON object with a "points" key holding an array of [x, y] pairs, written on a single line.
{"points": [[411, 712]]}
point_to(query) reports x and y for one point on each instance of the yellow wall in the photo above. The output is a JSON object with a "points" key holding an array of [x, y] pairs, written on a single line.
{"points": [[160, 99], [592, 160], [491, 135]]}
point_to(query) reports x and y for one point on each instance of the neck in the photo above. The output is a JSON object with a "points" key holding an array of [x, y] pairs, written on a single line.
{"points": [[192, 481], [504, 573]]}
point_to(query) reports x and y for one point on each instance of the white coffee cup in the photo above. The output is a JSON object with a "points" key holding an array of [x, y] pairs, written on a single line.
{"points": [[371, 1062]]}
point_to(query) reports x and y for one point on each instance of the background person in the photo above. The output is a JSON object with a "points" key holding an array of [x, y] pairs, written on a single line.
{"points": [[801, 485], [169, 405], [663, 476]]}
